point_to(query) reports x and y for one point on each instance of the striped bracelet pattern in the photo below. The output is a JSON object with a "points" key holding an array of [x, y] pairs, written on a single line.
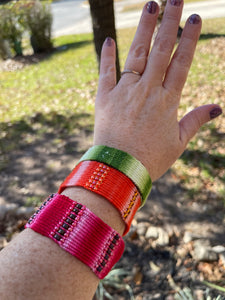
{"points": [[108, 182], [78, 231], [124, 163]]}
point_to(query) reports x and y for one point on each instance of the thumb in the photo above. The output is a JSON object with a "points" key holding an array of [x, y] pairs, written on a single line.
{"points": [[192, 121], [107, 78]]}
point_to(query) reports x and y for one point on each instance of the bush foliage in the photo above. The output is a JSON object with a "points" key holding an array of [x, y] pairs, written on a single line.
{"points": [[19, 17]]}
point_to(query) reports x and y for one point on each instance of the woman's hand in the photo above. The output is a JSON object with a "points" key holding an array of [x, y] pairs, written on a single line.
{"points": [[139, 114]]}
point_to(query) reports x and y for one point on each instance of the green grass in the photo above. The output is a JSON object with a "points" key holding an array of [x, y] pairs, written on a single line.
{"points": [[57, 96], [64, 82]]}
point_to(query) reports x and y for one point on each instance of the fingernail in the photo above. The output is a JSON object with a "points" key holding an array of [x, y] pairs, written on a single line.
{"points": [[152, 7], [175, 2], [215, 112], [194, 19], [108, 41]]}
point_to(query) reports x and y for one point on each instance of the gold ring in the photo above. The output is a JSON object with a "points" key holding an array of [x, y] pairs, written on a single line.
{"points": [[130, 71]]}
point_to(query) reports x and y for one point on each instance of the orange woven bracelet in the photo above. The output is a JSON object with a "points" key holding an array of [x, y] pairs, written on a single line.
{"points": [[108, 182]]}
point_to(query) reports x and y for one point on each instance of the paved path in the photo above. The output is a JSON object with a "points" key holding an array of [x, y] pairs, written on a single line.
{"points": [[73, 16]]}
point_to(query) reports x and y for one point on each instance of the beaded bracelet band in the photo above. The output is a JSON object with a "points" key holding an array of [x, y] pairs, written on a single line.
{"points": [[108, 182], [125, 163], [78, 231]]}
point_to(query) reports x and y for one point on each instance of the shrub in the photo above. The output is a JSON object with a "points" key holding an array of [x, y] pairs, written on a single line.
{"points": [[38, 19], [17, 17], [12, 26]]}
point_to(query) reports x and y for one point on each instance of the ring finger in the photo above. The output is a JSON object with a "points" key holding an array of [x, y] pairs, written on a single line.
{"points": [[138, 53]]}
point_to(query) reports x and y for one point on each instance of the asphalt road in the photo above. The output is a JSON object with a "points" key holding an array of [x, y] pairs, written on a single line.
{"points": [[73, 16]]}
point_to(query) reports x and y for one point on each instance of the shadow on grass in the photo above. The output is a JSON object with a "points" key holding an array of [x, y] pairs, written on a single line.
{"points": [[199, 158], [170, 203], [69, 46], [207, 36], [39, 152], [27, 60], [41, 125]]}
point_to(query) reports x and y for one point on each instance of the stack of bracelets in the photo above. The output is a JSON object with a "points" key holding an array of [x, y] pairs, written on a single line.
{"points": [[111, 173]]}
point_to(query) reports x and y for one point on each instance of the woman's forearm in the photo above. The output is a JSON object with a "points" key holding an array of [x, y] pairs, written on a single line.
{"points": [[34, 267], [138, 116]]}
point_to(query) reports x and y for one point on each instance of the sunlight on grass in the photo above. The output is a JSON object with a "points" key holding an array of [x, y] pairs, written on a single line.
{"points": [[65, 84]]}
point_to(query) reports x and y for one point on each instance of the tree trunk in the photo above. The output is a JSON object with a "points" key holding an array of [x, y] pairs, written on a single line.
{"points": [[103, 23]]}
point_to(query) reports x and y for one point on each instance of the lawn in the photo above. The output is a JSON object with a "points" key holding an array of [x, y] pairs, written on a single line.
{"points": [[47, 116], [65, 82]]}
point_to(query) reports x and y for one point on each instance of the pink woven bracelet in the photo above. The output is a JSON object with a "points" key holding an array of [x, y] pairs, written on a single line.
{"points": [[78, 231]]}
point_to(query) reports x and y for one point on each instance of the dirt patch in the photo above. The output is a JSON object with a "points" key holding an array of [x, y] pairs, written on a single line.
{"points": [[155, 270], [19, 62]]}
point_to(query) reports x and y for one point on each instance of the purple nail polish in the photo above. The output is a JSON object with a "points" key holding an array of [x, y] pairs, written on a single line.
{"points": [[175, 2], [152, 7], [194, 19], [215, 112], [108, 41]]}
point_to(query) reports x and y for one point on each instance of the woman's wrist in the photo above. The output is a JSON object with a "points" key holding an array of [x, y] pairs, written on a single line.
{"points": [[123, 162], [109, 183], [119, 178], [100, 206]]}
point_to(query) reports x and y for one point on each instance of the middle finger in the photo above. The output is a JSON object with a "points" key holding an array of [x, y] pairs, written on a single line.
{"points": [[164, 43]]}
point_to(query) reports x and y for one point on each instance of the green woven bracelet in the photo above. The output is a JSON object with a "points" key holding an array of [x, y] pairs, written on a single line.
{"points": [[124, 163]]}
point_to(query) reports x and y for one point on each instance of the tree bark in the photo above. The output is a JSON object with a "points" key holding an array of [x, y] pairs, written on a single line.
{"points": [[103, 23]]}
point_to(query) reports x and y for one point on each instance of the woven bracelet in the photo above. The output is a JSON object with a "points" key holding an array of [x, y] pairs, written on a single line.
{"points": [[108, 182], [125, 163], [78, 231]]}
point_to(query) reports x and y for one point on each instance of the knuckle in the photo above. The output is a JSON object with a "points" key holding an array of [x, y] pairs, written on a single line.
{"points": [[111, 69], [183, 59], [163, 45], [107, 71], [139, 51]]}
